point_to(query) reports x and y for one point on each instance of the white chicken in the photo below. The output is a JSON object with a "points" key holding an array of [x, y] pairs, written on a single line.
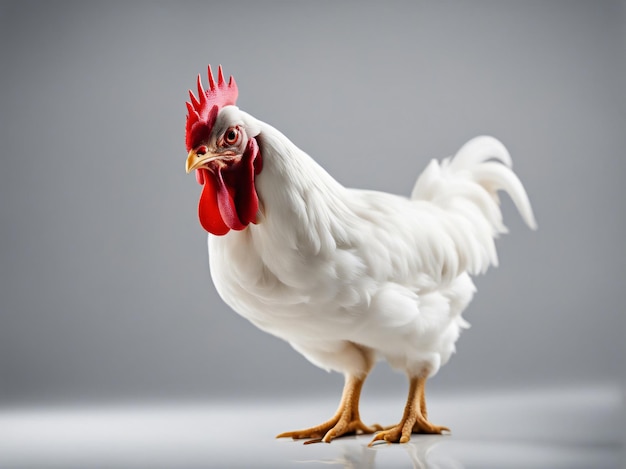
{"points": [[346, 276]]}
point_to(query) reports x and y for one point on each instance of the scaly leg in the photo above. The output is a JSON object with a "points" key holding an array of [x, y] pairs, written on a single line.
{"points": [[414, 419], [346, 421]]}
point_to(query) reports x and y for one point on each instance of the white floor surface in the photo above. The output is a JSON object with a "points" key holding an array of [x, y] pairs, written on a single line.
{"points": [[574, 428]]}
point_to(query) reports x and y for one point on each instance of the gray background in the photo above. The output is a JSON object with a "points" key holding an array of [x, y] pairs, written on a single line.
{"points": [[105, 291]]}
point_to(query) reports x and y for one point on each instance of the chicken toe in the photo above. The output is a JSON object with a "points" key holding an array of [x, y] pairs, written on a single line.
{"points": [[345, 422], [414, 419], [326, 432]]}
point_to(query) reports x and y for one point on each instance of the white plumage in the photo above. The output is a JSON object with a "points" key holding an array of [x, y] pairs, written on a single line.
{"points": [[328, 267], [346, 276]]}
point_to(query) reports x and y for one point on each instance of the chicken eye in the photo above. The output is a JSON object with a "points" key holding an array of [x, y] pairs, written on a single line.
{"points": [[231, 137]]}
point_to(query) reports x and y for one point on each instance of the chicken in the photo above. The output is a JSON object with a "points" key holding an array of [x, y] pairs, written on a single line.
{"points": [[346, 276]]}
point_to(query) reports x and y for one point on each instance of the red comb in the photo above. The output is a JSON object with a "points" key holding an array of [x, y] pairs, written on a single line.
{"points": [[202, 111]]}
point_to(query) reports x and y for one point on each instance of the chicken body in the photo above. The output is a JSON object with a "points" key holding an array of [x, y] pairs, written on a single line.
{"points": [[349, 277], [346, 276]]}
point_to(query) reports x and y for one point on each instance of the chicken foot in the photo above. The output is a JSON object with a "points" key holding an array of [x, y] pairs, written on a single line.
{"points": [[345, 422], [414, 419]]}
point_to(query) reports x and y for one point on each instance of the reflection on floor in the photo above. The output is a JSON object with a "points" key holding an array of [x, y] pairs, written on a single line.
{"points": [[580, 428]]}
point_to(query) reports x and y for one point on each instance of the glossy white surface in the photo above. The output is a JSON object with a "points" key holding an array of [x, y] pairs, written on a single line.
{"points": [[580, 428]]}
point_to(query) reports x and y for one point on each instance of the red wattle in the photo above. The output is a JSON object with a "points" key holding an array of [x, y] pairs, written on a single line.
{"points": [[229, 199], [226, 201], [208, 210], [200, 176]]}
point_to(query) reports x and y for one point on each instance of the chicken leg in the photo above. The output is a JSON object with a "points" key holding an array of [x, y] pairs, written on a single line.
{"points": [[346, 421], [414, 419]]}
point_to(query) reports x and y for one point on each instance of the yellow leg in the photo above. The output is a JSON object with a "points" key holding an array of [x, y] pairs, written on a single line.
{"points": [[414, 419], [345, 422]]}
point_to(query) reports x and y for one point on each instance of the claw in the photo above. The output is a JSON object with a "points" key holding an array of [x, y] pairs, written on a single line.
{"points": [[377, 437], [315, 440]]}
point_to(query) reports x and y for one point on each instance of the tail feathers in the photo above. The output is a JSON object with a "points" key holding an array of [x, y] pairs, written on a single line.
{"points": [[467, 187], [480, 149], [494, 177]]}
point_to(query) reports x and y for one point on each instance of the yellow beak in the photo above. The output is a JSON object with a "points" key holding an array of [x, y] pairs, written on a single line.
{"points": [[194, 160]]}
